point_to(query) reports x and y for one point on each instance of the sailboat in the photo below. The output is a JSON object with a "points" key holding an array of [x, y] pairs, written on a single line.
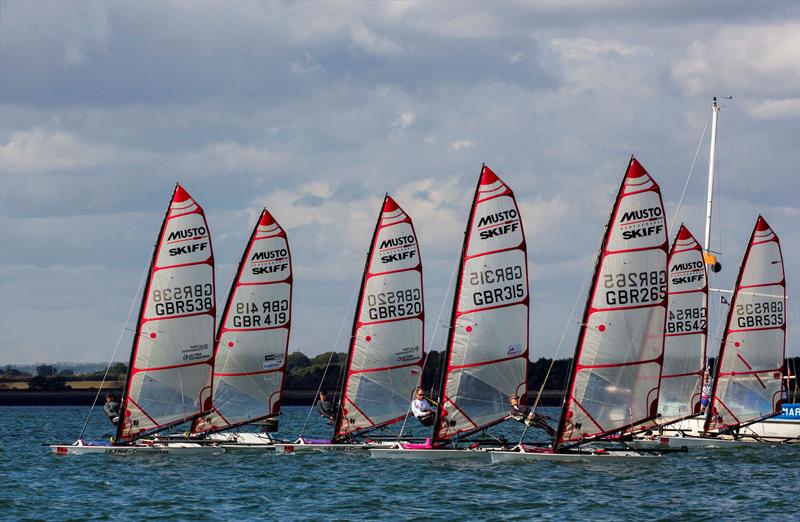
{"points": [[169, 376], [679, 425], [748, 377], [487, 348], [252, 344], [614, 380], [686, 331], [386, 352]]}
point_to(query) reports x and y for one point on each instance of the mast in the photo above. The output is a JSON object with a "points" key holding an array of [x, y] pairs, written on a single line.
{"points": [[711, 160], [252, 342], [748, 373], [616, 370], [385, 356], [453, 312], [356, 315], [488, 343], [169, 376]]}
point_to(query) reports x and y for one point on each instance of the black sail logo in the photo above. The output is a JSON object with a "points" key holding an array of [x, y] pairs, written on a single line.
{"points": [[642, 222], [397, 249], [498, 224]]}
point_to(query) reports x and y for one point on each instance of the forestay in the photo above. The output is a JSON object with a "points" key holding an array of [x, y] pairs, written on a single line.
{"points": [[617, 364], [171, 362], [250, 354], [386, 350], [487, 351], [686, 331], [749, 374]]}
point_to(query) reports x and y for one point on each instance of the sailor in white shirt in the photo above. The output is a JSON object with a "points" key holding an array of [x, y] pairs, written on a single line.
{"points": [[422, 409]]}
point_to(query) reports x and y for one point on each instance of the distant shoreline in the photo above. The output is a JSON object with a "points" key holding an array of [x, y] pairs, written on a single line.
{"points": [[86, 397]]}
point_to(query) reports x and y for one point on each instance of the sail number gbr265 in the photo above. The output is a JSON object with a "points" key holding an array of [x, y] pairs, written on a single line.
{"points": [[635, 288]]}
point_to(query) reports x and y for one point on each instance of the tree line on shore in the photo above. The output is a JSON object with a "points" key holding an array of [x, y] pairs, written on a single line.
{"points": [[303, 373]]}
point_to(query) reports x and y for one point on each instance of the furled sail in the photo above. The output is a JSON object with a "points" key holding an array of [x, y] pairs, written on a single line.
{"points": [[749, 368], [169, 377], [615, 374], [686, 331], [386, 349], [250, 354], [487, 350]]}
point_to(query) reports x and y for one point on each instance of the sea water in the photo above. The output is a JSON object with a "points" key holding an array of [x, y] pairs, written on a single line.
{"points": [[738, 483]]}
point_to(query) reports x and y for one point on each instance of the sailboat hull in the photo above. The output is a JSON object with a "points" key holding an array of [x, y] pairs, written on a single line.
{"points": [[429, 454], [770, 431], [499, 457], [177, 448]]}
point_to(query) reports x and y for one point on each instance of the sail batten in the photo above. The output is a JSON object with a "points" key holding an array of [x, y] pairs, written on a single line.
{"points": [[252, 345], [386, 352], [614, 381], [749, 369], [487, 347], [169, 378]]}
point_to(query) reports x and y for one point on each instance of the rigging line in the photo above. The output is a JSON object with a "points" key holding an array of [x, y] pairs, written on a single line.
{"points": [[433, 338], [333, 352], [686, 185], [586, 275], [739, 169], [119, 340]]}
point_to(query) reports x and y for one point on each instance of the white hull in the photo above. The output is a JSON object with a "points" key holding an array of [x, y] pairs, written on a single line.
{"points": [[696, 443], [290, 448], [608, 456], [176, 448], [429, 454], [770, 430]]}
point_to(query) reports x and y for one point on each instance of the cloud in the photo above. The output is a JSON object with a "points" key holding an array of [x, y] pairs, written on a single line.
{"points": [[373, 43], [315, 110], [41, 150]]}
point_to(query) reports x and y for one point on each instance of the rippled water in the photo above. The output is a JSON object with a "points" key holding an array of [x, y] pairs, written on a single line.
{"points": [[739, 483]]}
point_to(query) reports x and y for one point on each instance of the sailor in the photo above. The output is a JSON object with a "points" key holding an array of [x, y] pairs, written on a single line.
{"points": [[422, 409], [325, 407], [705, 392], [521, 413], [111, 408]]}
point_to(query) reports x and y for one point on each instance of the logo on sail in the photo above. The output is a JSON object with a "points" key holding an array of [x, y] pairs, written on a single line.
{"points": [[397, 248], [642, 222], [498, 224], [279, 258]]}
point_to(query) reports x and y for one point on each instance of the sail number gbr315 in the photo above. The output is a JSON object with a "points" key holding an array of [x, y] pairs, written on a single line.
{"points": [[635, 288]]}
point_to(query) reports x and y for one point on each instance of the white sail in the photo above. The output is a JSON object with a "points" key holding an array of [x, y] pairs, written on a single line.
{"points": [[749, 368], [386, 350], [487, 352], [250, 355], [686, 331], [169, 376], [616, 369]]}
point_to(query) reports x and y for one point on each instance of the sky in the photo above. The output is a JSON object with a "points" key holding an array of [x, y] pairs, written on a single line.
{"points": [[315, 110]]}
